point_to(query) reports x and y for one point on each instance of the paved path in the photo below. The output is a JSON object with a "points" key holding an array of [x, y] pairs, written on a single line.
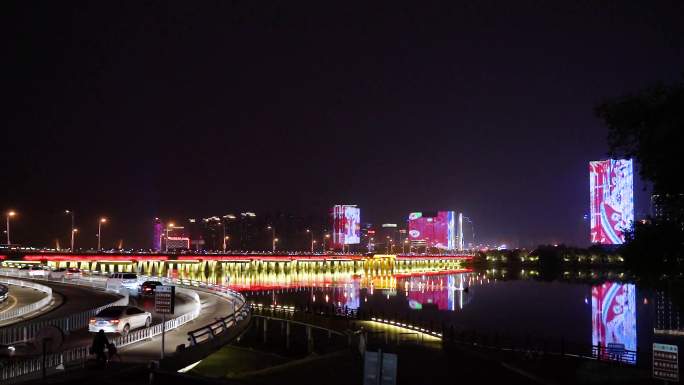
{"points": [[20, 296], [213, 307]]}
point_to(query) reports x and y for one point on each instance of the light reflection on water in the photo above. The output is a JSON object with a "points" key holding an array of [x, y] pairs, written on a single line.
{"points": [[582, 308]]}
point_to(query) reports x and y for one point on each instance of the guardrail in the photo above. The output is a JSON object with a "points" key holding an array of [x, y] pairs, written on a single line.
{"points": [[26, 332], [221, 325], [15, 371], [155, 330], [22, 311]]}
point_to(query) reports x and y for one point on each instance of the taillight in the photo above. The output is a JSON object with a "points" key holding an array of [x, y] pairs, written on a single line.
{"points": [[92, 320], [114, 321]]}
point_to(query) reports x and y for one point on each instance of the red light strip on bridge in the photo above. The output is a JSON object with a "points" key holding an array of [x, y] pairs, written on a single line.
{"points": [[270, 258], [94, 258], [461, 257]]}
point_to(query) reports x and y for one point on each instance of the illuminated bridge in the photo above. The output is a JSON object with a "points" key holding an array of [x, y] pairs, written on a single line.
{"points": [[216, 268]]}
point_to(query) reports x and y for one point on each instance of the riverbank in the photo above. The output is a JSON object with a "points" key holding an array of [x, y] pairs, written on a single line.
{"points": [[423, 359]]}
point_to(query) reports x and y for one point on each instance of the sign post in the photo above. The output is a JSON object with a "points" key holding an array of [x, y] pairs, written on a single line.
{"points": [[164, 303], [666, 362]]}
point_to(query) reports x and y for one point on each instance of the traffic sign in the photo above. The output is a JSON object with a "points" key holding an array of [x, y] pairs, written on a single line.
{"points": [[666, 362], [165, 299]]}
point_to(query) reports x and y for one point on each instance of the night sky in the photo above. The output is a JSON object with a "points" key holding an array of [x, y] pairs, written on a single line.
{"points": [[187, 109]]}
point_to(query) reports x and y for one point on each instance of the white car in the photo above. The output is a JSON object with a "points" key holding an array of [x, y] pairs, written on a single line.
{"points": [[126, 280], [38, 271], [120, 319], [65, 273]]}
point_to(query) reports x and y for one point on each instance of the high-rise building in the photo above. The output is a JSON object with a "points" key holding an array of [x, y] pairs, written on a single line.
{"points": [[668, 208], [611, 190], [433, 229], [346, 226], [157, 233]]}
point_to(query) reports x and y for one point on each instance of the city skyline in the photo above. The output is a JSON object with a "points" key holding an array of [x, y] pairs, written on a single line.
{"points": [[119, 113]]}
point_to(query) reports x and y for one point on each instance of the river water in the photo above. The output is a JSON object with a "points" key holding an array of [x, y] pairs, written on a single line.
{"points": [[576, 310]]}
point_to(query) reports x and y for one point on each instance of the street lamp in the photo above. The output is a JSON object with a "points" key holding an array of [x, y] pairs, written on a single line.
{"points": [[73, 237], [10, 214], [73, 218], [274, 237], [324, 238], [225, 242], [99, 231], [403, 247], [312, 240]]}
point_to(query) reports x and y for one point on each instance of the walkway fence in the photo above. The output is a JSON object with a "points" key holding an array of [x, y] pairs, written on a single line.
{"points": [[14, 314]]}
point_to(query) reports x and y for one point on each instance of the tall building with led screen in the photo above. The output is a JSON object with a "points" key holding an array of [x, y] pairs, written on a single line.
{"points": [[611, 188], [346, 224], [433, 229]]}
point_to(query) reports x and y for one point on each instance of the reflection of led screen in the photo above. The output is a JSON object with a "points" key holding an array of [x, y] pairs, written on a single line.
{"points": [[433, 229], [613, 320], [612, 200], [445, 292], [346, 225]]}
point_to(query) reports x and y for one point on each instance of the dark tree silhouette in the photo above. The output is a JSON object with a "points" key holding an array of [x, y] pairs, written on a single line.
{"points": [[649, 126]]}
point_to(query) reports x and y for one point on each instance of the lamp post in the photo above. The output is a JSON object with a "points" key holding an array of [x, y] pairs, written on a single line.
{"points": [[403, 247], [324, 238], [10, 214], [99, 231], [274, 237], [73, 237], [225, 242], [73, 220], [312, 240]]}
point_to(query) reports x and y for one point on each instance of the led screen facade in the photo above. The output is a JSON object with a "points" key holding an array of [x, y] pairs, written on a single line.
{"points": [[613, 319], [346, 225], [433, 229], [611, 189]]}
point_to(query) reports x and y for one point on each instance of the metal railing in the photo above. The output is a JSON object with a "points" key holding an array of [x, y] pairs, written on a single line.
{"points": [[30, 308], [155, 330], [16, 370]]}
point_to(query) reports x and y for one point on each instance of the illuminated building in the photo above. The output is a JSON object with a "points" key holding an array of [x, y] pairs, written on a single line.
{"points": [[157, 233], [433, 229], [611, 189], [346, 225], [668, 208]]}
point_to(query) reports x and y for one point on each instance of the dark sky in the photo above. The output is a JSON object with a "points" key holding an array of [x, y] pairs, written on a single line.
{"points": [[175, 109]]}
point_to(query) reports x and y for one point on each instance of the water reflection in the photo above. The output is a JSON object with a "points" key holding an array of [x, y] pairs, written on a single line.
{"points": [[613, 308], [578, 308]]}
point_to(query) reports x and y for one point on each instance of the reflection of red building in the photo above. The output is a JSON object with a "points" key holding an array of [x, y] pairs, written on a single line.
{"points": [[613, 307]]}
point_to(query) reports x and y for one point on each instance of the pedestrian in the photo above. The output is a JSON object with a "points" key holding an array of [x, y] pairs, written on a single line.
{"points": [[100, 342]]}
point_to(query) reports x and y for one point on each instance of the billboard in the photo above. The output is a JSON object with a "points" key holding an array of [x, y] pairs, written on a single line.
{"points": [[433, 229], [613, 318], [611, 189], [346, 224]]}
